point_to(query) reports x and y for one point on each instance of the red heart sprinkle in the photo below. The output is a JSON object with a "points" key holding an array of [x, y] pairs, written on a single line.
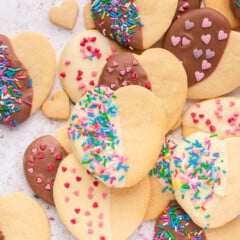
{"points": [[102, 238], [95, 183], [95, 205], [43, 147], [41, 155], [73, 221], [78, 179], [77, 210], [63, 74], [67, 185], [59, 157], [31, 160], [50, 168], [64, 169]]}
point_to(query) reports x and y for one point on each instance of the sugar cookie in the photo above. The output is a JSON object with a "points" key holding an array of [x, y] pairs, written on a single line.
{"points": [[82, 61], [28, 71], [41, 161], [133, 23], [89, 23], [174, 223], [160, 180], [205, 172], [65, 15], [151, 70], [220, 116], [22, 218], [108, 132], [92, 211], [203, 41], [224, 7], [58, 107]]}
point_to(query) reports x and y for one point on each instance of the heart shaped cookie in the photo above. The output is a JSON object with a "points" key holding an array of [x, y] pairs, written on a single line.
{"points": [[116, 136], [227, 8], [41, 160], [26, 79], [90, 210], [57, 108], [205, 172], [22, 218], [219, 116], [82, 61], [133, 23], [65, 15], [151, 70], [160, 180], [203, 41]]}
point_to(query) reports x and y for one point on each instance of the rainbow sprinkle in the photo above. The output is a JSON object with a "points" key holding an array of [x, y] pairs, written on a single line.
{"points": [[175, 224], [162, 169], [98, 135], [10, 88], [199, 172], [124, 18]]}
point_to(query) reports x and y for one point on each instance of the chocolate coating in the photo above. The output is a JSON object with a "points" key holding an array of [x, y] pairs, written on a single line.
{"points": [[174, 221], [235, 7], [41, 161], [198, 39], [123, 70], [186, 5], [16, 108], [120, 22], [1, 236]]}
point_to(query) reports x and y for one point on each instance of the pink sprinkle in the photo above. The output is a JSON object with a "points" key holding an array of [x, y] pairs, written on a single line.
{"points": [[128, 69], [100, 216], [87, 213], [100, 224], [89, 223], [67, 62], [81, 85], [218, 101], [124, 83], [67, 199], [114, 64], [76, 193], [94, 73], [90, 231], [90, 189], [110, 69], [231, 103]]}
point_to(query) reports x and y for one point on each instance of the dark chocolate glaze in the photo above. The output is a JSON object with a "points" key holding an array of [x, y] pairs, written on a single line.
{"points": [[41, 161], [26, 89], [123, 70], [198, 39], [174, 220]]}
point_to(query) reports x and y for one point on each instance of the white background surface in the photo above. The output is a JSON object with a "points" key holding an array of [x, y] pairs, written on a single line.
{"points": [[32, 15]]}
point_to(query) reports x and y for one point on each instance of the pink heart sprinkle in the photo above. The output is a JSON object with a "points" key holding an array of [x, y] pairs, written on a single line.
{"points": [[209, 54], [31, 160], [43, 147], [39, 180], [122, 72], [67, 199], [222, 35], [185, 41], [199, 75], [113, 85], [52, 149], [94, 73], [134, 62], [76, 193], [48, 187], [34, 150], [41, 156], [90, 189], [73, 170], [124, 83], [175, 40], [90, 231], [197, 53], [114, 64], [189, 24], [89, 223], [128, 69], [110, 69], [231, 104], [87, 213], [104, 195], [90, 196], [206, 23], [206, 65], [30, 170], [100, 216], [100, 224], [206, 38]]}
